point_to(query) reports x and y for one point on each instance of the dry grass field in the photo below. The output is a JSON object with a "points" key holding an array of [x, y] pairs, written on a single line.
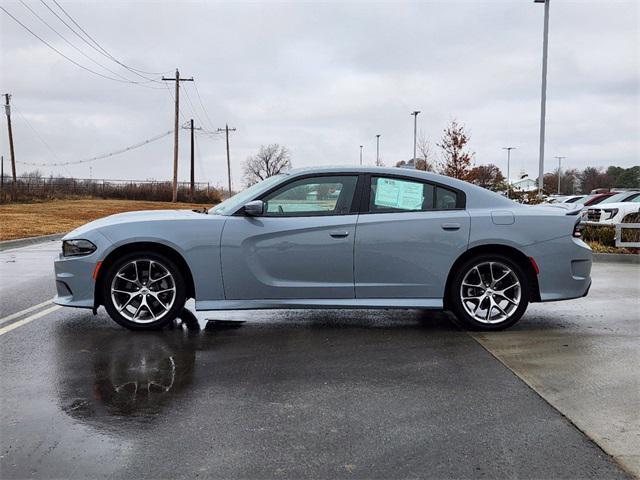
{"points": [[21, 220]]}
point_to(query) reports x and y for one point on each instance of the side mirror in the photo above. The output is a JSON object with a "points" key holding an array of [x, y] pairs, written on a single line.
{"points": [[254, 208]]}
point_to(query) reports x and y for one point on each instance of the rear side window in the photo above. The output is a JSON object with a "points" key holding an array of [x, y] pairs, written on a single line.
{"points": [[403, 195], [395, 194], [446, 199]]}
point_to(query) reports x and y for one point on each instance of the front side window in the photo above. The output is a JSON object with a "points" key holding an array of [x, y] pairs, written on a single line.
{"points": [[313, 196], [402, 195]]}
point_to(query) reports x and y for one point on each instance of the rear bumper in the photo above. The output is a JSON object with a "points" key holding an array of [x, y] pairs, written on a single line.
{"points": [[565, 268]]}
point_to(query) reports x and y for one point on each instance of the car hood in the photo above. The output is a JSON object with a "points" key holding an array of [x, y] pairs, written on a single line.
{"points": [[134, 217], [631, 206]]}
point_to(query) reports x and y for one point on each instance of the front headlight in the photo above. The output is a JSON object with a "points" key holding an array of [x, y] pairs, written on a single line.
{"points": [[611, 212], [75, 248]]}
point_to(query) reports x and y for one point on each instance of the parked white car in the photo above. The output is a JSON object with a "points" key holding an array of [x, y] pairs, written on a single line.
{"points": [[614, 209]]}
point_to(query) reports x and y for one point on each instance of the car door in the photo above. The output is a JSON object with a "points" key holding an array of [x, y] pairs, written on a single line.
{"points": [[409, 237], [301, 247]]}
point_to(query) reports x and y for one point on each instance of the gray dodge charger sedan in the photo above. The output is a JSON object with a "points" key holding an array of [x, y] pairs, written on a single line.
{"points": [[331, 238]]}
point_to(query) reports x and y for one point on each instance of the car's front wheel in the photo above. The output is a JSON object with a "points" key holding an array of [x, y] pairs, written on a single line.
{"points": [[489, 292], [144, 291]]}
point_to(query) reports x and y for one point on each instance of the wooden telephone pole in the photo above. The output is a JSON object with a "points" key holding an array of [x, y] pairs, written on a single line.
{"points": [[226, 129], [192, 166], [7, 110], [177, 79]]}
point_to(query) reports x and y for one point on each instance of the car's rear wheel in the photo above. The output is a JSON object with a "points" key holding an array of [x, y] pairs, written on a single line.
{"points": [[490, 292], [144, 291]]}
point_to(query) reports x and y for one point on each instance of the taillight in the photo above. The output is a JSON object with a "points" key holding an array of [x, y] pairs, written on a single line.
{"points": [[577, 230]]}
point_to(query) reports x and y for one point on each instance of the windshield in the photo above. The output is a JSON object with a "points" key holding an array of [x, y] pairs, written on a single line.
{"points": [[618, 197], [233, 203]]}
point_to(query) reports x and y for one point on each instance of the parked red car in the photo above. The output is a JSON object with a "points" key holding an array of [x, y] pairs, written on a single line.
{"points": [[597, 198]]}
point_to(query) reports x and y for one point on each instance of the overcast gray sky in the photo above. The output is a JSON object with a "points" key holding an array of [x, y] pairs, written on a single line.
{"points": [[323, 78]]}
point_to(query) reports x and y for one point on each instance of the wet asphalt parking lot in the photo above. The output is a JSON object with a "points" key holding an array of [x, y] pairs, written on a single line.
{"points": [[318, 394]]}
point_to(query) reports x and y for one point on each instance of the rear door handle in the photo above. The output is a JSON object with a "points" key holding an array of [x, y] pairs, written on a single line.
{"points": [[339, 234], [451, 226]]}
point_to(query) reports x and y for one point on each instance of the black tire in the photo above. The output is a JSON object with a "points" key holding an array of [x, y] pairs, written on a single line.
{"points": [[168, 315], [516, 312]]}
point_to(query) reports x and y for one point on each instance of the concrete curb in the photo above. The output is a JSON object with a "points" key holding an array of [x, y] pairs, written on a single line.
{"points": [[23, 242], [616, 258]]}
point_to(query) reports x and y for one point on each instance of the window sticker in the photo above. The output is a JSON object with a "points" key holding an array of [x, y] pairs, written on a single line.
{"points": [[399, 194]]}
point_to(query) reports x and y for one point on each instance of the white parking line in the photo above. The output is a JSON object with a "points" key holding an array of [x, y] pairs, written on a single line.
{"points": [[31, 318], [23, 312]]}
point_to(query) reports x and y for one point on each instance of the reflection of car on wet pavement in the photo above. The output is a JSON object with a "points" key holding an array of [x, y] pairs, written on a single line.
{"points": [[347, 238], [124, 374]]}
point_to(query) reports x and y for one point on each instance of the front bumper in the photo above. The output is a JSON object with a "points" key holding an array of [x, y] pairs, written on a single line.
{"points": [[565, 268], [75, 286]]}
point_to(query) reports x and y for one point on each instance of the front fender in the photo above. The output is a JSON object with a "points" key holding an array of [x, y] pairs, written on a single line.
{"points": [[196, 240]]}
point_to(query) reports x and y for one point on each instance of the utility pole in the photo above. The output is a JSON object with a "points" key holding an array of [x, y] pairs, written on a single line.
{"points": [[177, 79], [415, 132], [192, 162], [7, 110], [226, 129], [508, 149], [377, 150], [543, 99], [1, 177], [559, 166], [361, 146]]}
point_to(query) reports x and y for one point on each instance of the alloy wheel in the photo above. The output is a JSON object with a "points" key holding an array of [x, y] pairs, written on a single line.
{"points": [[143, 291], [490, 292]]}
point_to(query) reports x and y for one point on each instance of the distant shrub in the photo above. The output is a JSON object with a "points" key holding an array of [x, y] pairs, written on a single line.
{"points": [[34, 187], [602, 234], [631, 218]]}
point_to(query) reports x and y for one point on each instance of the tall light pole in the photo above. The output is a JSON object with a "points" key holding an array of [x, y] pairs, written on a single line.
{"points": [[543, 100], [559, 166], [361, 154], [377, 150], [415, 132], [508, 149]]}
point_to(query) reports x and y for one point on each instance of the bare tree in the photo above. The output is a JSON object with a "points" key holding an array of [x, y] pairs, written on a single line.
{"points": [[425, 160], [269, 161], [456, 161]]}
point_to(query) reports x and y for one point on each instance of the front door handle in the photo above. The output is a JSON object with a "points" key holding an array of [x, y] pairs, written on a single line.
{"points": [[339, 234], [451, 226]]}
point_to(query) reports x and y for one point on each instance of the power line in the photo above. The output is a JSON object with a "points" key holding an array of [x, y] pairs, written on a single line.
{"points": [[148, 80], [193, 110], [68, 58], [195, 85], [42, 140], [69, 43], [173, 99], [102, 49], [103, 156]]}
